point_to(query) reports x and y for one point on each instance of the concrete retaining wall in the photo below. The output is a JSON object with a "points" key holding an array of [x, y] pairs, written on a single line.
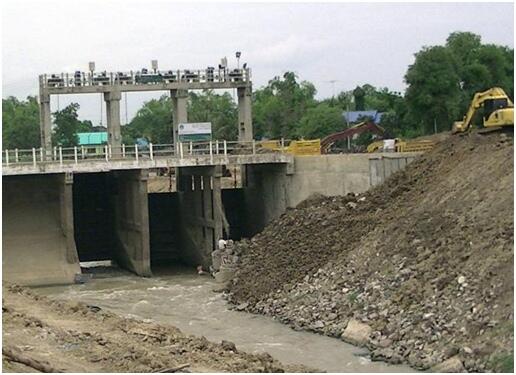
{"points": [[272, 188], [38, 246], [328, 175], [383, 165]]}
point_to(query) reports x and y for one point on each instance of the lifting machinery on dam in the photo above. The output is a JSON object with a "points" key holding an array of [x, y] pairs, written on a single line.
{"points": [[360, 128], [498, 111], [399, 145]]}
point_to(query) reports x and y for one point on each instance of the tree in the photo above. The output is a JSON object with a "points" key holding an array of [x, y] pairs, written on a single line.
{"points": [[153, 121], [433, 94], [67, 124], [279, 107], [463, 46], [499, 63], [220, 110], [480, 66], [359, 95], [20, 123], [443, 79], [345, 101], [86, 126], [320, 121]]}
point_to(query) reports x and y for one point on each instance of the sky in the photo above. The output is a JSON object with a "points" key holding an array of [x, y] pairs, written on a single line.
{"points": [[349, 43]]}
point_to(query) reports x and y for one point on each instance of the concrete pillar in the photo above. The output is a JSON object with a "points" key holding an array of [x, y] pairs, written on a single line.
{"points": [[219, 217], [180, 107], [45, 125], [245, 119], [132, 250], [112, 99], [67, 225]]}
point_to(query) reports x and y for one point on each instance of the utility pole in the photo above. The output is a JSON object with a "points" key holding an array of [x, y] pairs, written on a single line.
{"points": [[237, 55], [100, 109], [347, 119], [332, 81], [125, 97]]}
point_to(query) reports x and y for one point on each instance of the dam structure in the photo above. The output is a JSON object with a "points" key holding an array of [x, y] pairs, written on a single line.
{"points": [[62, 206]]}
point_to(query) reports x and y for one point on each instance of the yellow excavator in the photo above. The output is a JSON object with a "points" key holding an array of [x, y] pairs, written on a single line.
{"points": [[498, 111]]}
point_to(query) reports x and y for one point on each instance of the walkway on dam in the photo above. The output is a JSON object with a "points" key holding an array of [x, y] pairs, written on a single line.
{"points": [[105, 158]]}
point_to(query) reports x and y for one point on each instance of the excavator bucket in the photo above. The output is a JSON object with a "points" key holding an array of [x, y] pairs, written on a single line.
{"points": [[458, 127]]}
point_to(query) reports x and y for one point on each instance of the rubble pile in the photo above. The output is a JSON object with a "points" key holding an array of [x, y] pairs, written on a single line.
{"points": [[224, 260], [418, 269]]}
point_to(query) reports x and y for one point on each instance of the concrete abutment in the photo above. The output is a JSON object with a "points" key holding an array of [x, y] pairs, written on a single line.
{"points": [[37, 232]]}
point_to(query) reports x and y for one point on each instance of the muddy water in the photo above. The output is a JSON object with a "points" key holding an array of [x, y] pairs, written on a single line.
{"points": [[186, 300]]}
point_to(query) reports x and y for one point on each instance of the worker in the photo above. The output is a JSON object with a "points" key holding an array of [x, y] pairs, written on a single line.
{"points": [[216, 256]]}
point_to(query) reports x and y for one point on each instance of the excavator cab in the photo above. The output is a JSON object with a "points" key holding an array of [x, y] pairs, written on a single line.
{"points": [[498, 112]]}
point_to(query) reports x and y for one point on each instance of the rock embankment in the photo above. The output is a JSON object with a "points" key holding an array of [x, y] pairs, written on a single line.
{"points": [[419, 269]]}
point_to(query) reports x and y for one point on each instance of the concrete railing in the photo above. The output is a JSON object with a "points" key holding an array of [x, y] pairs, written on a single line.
{"points": [[81, 79], [81, 154]]}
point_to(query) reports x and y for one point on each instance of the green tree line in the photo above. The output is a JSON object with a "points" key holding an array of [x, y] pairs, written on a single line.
{"points": [[440, 84]]}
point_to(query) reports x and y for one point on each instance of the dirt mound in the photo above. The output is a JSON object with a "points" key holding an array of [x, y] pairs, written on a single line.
{"points": [[425, 259], [438, 137], [73, 337]]}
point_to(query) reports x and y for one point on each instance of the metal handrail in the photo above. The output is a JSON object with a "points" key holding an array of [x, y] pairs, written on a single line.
{"points": [[181, 150]]}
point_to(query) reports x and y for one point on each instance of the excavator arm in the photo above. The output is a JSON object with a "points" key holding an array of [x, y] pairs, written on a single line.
{"points": [[360, 128]]}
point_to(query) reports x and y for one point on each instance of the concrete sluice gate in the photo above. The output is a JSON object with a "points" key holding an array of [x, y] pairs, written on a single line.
{"points": [[52, 222], [111, 218]]}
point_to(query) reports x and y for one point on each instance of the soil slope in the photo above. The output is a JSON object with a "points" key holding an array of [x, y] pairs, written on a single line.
{"points": [[74, 337], [425, 259]]}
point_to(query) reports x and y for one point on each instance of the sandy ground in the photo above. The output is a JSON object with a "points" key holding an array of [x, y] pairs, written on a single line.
{"points": [[74, 337]]}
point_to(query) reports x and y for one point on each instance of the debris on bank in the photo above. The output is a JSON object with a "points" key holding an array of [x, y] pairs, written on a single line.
{"points": [[42, 334], [418, 269]]}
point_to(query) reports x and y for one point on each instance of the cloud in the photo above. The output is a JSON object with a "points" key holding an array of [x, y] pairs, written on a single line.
{"points": [[292, 48]]}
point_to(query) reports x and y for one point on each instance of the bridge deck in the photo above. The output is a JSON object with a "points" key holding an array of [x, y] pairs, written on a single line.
{"points": [[103, 158]]}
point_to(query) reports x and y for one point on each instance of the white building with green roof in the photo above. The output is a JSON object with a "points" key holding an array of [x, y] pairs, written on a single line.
{"points": [[93, 142]]}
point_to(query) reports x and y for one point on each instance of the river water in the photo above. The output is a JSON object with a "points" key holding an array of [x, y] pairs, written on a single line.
{"points": [[186, 300]]}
